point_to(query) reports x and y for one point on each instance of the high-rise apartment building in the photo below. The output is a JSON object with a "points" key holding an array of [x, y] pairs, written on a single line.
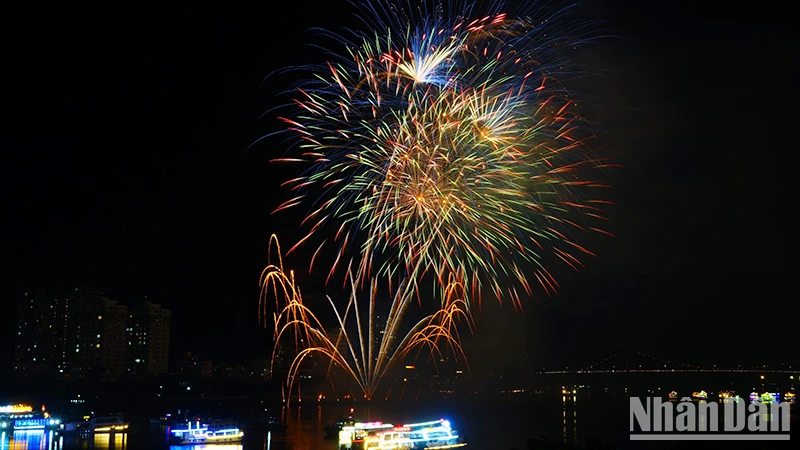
{"points": [[148, 340], [96, 336], [40, 344]]}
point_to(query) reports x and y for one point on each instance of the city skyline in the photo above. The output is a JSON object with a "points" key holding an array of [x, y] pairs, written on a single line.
{"points": [[80, 332]]}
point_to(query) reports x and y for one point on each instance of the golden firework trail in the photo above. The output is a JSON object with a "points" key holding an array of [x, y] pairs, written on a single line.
{"points": [[364, 358]]}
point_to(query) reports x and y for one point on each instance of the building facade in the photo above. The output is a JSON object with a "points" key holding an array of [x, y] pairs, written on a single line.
{"points": [[96, 336], [148, 340], [40, 344]]}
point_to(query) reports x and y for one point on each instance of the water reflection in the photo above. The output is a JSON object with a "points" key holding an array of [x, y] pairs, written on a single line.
{"points": [[500, 424], [575, 427], [40, 440], [569, 416], [209, 447], [116, 441], [29, 440]]}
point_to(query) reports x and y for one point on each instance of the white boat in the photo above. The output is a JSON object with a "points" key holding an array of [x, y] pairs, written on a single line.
{"points": [[394, 439], [435, 435], [199, 433], [354, 436]]}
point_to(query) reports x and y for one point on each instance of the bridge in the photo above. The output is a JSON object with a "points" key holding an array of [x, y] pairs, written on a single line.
{"points": [[632, 361]]}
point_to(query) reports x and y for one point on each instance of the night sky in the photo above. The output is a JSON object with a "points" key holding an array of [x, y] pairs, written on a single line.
{"points": [[125, 167]]}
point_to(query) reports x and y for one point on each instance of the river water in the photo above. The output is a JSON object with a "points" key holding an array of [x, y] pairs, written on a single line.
{"points": [[487, 425]]}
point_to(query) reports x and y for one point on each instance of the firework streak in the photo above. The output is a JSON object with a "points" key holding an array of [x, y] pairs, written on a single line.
{"points": [[353, 346]]}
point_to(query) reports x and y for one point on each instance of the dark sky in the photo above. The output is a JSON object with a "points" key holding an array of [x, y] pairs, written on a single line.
{"points": [[124, 168]]}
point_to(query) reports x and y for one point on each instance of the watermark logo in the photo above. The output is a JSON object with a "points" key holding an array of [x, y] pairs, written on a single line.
{"points": [[652, 419]]}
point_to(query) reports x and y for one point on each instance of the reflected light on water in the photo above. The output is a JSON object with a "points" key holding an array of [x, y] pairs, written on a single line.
{"points": [[116, 441], [568, 403], [207, 447], [28, 440]]}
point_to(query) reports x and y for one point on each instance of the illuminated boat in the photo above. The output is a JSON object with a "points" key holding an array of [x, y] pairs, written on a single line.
{"points": [[673, 395], [110, 424], [434, 435], [702, 395], [769, 397], [396, 438], [217, 433], [437, 435], [224, 431], [23, 418], [355, 435], [789, 397], [728, 395], [99, 425]]}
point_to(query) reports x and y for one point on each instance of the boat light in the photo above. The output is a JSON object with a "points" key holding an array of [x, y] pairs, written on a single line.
{"points": [[16, 409], [189, 430]]}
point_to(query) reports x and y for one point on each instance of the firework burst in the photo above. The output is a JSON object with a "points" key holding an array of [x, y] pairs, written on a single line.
{"points": [[443, 141]]}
